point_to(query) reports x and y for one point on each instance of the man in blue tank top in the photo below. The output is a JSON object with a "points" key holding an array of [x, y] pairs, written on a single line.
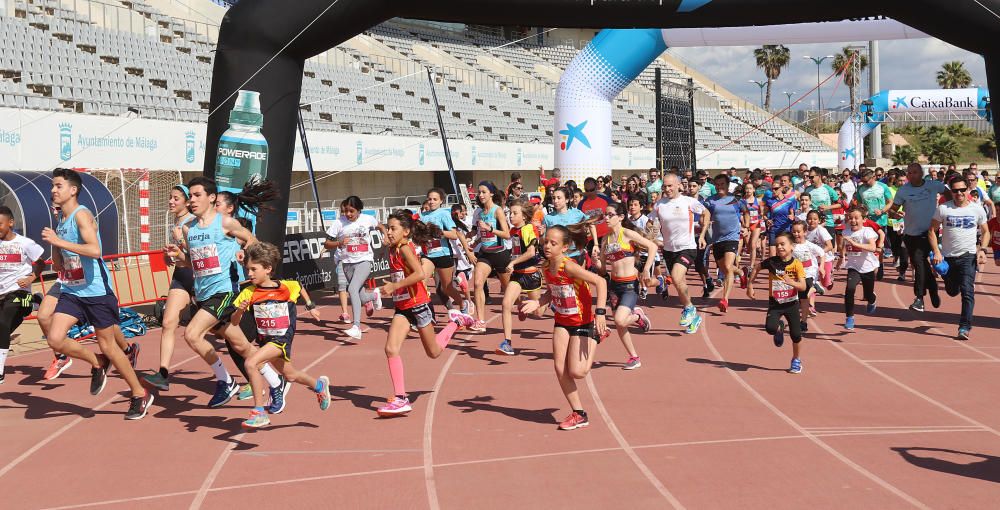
{"points": [[211, 253], [86, 292]]}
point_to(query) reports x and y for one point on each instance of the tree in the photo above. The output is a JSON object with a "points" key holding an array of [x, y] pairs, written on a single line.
{"points": [[953, 75], [904, 155], [989, 147], [852, 72], [941, 149], [772, 58]]}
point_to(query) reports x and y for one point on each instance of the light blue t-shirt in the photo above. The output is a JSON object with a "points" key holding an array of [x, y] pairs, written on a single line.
{"points": [[707, 190], [823, 196], [81, 275], [919, 204], [572, 216], [442, 218], [875, 197], [726, 213]]}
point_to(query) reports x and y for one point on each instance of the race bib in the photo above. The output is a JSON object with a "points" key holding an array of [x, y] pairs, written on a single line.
{"points": [[272, 318], [72, 273], [564, 299], [205, 260], [401, 294], [357, 244], [807, 263], [614, 252], [10, 257], [433, 244], [783, 292]]}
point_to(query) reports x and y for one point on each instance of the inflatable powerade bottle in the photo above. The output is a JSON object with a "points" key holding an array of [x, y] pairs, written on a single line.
{"points": [[242, 152]]}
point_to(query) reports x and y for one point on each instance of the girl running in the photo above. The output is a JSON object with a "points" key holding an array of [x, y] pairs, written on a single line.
{"points": [[819, 235], [464, 260], [779, 212], [565, 215], [439, 253], [492, 254], [351, 236], [752, 240], [813, 260], [527, 278], [411, 299], [574, 339], [786, 279], [858, 250], [618, 250]]}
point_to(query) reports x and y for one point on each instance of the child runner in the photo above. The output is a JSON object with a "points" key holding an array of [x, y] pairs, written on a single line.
{"points": [[675, 213], [779, 212], [858, 250], [820, 236], [272, 304], [618, 261], [578, 325], [463, 265], [805, 205], [527, 278], [409, 294], [181, 288], [786, 279], [752, 239], [813, 261], [565, 215], [439, 250], [86, 292], [18, 256], [639, 220], [351, 236], [492, 254]]}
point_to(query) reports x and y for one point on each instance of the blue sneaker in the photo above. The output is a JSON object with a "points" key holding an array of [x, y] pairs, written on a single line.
{"points": [[872, 307], [796, 367], [323, 395], [661, 284], [224, 392], [779, 336], [963, 333], [688, 315], [278, 397], [692, 328], [505, 348], [849, 323]]}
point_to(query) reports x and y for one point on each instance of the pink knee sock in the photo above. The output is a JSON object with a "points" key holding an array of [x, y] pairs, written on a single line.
{"points": [[396, 374], [445, 335]]}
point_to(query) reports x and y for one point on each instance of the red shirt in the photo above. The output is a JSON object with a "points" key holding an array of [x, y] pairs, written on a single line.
{"points": [[571, 299], [593, 206], [994, 228], [406, 297]]}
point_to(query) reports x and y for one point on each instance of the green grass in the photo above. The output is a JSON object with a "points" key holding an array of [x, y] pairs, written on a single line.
{"points": [[968, 145]]}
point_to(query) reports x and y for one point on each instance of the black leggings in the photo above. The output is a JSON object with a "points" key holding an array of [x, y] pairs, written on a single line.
{"points": [[788, 311], [867, 281], [12, 313]]}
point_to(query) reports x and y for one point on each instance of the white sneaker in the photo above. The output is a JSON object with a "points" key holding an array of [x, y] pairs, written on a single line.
{"points": [[354, 332], [378, 298]]}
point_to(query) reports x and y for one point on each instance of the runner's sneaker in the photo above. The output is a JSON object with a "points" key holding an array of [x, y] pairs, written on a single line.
{"points": [[278, 396], [395, 407], [138, 406], [643, 320], [369, 308], [257, 420], [574, 421], [133, 354], [344, 318], [323, 395], [157, 381], [353, 332], [963, 333], [478, 326], [872, 307], [744, 277], [812, 312], [377, 301], [643, 292], [661, 285], [693, 327], [918, 305], [796, 366], [804, 326], [57, 367], [779, 336], [687, 315], [224, 392], [632, 363], [246, 392], [849, 323], [505, 348], [819, 289], [462, 319], [723, 305], [99, 376]]}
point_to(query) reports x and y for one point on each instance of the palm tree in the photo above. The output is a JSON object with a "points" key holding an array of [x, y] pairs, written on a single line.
{"points": [[772, 58], [851, 73], [953, 75]]}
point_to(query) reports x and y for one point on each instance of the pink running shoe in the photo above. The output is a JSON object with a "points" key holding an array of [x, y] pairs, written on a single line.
{"points": [[370, 308], [574, 421], [345, 318], [395, 407], [643, 320], [462, 319], [57, 367], [812, 311], [478, 326]]}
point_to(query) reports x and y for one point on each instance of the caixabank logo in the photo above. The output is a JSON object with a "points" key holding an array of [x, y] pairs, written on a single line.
{"points": [[573, 133], [65, 141]]}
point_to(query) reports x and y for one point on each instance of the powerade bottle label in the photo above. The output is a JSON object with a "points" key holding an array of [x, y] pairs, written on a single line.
{"points": [[243, 150]]}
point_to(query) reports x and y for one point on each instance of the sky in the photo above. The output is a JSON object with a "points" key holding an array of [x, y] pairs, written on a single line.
{"points": [[905, 64]]}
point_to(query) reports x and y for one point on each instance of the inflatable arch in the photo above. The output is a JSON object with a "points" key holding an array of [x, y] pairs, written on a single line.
{"points": [[263, 45], [850, 140]]}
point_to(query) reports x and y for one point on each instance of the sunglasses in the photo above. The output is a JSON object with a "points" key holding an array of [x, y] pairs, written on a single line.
{"points": [[610, 214], [959, 190], [518, 187]]}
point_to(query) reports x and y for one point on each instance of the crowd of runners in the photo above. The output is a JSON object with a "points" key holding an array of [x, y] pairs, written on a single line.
{"points": [[587, 257]]}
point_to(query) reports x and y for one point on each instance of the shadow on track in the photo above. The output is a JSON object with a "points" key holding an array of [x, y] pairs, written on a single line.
{"points": [[477, 403], [980, 466]]}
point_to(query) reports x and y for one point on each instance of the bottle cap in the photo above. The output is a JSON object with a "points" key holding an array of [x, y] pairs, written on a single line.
{"points": [[247, 109]]}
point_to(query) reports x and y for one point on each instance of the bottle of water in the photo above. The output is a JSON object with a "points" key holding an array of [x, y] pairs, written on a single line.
{"points": [[243, 149]]}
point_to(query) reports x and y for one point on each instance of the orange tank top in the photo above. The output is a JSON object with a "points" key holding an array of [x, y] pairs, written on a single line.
{"points": [[571, 299], [406, 297]]}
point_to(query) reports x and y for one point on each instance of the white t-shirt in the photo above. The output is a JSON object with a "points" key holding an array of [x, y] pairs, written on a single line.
{"points": [[819, 237], [16, 257], [959, 227], [858, 259], [357, 238], [677, 222], [809, 255]]}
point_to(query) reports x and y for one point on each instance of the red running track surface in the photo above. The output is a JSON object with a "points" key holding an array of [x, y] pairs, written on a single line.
{"points": [[895, 415]]}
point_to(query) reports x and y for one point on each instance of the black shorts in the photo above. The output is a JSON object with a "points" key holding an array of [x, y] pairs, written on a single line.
{"points": [[183, 279], [419, 315], [529, 282], [805, 293], [721, 248], [497, 260], [625, 291], [22, 298], [100, 311], [442, 262], [585, 331], [220, 305], [283, 343], [686, 258]]}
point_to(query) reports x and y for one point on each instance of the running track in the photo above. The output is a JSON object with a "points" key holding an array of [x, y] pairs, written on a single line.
{"points": [[894, 415]]}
